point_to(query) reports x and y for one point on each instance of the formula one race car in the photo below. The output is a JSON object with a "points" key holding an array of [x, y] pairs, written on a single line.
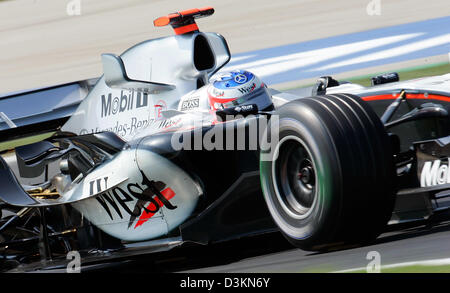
{"points": [[164, 149]]}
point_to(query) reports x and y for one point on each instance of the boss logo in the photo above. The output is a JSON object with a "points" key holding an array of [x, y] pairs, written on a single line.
{"points": [[190, 104]]}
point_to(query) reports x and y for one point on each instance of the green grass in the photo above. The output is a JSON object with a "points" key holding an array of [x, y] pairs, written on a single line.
{"points": [[419, 269], [8, 145], [406, 74]]}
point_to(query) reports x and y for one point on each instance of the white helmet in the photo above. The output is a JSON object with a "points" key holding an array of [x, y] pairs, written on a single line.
{"points": [[237, 88]]}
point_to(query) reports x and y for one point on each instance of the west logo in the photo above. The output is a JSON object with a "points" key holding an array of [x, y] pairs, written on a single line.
{"points": [[151, 196], [126, 102], [435, 173], [246, 90]]}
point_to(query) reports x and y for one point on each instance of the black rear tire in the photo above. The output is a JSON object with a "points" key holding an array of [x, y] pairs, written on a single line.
{"points": [[330, 180]]}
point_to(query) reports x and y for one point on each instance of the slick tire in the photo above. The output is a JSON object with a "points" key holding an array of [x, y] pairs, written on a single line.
{"points": [[329, 178]]}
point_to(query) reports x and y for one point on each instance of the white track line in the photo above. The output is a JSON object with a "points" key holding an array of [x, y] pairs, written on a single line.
{"points": [[275, 65], [433, 262], [394, 52]]}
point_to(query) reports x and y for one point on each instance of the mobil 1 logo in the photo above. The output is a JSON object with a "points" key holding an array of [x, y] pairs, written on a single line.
{"points": [[127, 101]]}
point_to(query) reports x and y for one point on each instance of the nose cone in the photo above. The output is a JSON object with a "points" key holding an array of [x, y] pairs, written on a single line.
{"points": [[154, 197]]}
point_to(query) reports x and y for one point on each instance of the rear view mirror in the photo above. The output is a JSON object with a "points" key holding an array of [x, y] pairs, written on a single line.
{"points": [[427, 110]]}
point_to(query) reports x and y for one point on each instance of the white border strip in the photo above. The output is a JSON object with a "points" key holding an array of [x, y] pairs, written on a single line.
{"points": [[433, 262]]}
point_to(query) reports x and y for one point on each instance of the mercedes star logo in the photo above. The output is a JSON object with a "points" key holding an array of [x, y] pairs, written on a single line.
{"points": [[241, 78]]}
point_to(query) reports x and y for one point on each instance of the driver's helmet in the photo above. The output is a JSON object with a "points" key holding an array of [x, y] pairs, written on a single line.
{"points": [[236, 88]]}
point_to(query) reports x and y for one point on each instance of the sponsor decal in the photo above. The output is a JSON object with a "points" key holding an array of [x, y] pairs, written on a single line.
{"points": [[159, 108], [122, 129], [167, 123], [247, 89], [240, 78], [134, 125], [190, 104], [128, 101], [98, 185], [435, 173], [245, 108], [233, 103], [215, 93], [150, 197]]}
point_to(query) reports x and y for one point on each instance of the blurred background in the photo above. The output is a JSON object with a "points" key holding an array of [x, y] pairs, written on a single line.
{"points": [[49, 42]]}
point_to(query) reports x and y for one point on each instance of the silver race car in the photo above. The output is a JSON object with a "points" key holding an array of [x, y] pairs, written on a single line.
{"points": [[165, 149]]}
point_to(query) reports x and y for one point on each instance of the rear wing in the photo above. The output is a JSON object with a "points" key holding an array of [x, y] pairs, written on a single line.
{"points": [[42, 110]]}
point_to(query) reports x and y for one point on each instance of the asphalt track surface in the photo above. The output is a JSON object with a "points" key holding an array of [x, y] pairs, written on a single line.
{"points": [[272, 253], [408, 245], [40, 45]]}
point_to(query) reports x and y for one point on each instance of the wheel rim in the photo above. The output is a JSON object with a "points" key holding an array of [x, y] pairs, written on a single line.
{"points": [[295, 177]]}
